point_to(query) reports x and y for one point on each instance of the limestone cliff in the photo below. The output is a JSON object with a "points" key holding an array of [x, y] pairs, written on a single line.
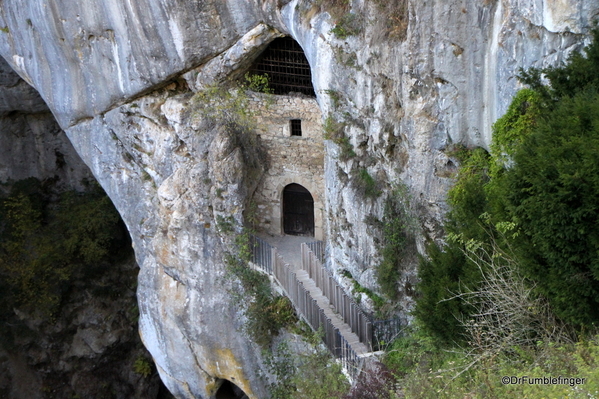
{"points": [[91, 345], [33, 145], [406, 81]]}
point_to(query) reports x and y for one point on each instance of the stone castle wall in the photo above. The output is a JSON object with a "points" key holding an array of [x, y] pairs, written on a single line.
{"points": [[292, 159]]}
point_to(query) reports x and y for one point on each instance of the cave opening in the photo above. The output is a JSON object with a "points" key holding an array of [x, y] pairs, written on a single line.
{"points": [[287, 67], [229, 390], [298, 211]]}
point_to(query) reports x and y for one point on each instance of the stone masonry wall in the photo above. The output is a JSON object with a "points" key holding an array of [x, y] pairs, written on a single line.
{"points": [[291, 159]]}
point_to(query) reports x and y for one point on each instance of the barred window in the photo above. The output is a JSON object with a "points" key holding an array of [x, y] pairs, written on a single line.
{"points": [[286, 66]]}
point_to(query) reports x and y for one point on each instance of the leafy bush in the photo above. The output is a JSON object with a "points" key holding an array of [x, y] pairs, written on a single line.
{"points": [[357, 287], [396, 236], [142, 366], [579, 73], [319, 377], [266, 313], [551, 194], [534, 195], [305, 376], [231, 106], [45, 244], [258, 83], [365, 185], [440, 277], [432, 373]]}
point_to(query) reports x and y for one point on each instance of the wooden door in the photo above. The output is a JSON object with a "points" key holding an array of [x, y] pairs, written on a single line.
{"points": [[298, 211]]}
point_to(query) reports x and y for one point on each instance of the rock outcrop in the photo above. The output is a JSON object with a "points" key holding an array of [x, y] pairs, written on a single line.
{"points": [[407, 81], [91, 346], [33, 144]]}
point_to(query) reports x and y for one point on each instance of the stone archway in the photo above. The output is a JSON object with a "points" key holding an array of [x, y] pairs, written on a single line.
{"points": [[298, 211]]}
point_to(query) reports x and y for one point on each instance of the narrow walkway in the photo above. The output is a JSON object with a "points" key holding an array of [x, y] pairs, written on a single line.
{"points": [[324, 303], [289, 247]]}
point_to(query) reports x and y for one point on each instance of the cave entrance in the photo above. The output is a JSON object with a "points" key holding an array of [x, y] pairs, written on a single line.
{"points": [[228, 390], [287, 67], [298, 211]]}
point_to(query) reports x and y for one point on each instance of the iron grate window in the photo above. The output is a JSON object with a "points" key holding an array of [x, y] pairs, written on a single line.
{"points": [[286, 66], [296, 127]]}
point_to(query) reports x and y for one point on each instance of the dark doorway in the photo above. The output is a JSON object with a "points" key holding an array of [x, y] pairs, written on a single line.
{"points": [[228, 390], [298, 211]]}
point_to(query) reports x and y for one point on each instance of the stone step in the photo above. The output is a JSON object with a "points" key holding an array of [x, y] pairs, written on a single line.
{"points": [[336, 319], [289, 249]]}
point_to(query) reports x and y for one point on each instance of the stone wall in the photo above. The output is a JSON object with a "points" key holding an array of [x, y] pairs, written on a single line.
{"points": [[291, 159]]}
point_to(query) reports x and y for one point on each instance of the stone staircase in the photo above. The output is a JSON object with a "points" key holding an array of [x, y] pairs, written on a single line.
{"points": [[292, 264]]}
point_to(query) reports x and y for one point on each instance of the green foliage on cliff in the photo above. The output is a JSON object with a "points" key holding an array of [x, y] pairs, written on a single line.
{"points": [[365, 185], [533, 196], [266, 312], [578, 74], [551, 195], [46, 243], [349, 24], [306, 376], [395, 240], [335, 131]]}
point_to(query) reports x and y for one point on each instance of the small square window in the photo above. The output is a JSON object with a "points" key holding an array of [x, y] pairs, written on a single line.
{"points": [[296, 127]]}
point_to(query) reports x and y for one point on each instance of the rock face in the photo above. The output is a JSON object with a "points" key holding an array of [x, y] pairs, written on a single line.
{"points": [[186, 183], [404, 89], [89, 348], [33, 144]]}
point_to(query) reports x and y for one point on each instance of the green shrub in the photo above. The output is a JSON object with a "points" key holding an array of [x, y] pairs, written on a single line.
{"points": [[258, 83], [266, 313], [305, 376], [579, 73], [230, 106], [319, 377], [45, 244], [428, 372], [335, 97], [534, 195], [551, 195], [335, 132], [441, 276], [348, 25], [396, 236], [143, 367], [357, 287], [414, 349], [365, 185]]}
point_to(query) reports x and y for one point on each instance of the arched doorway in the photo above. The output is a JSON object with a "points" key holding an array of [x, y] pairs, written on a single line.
{"points": [[298, 211], [228, 390]]}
